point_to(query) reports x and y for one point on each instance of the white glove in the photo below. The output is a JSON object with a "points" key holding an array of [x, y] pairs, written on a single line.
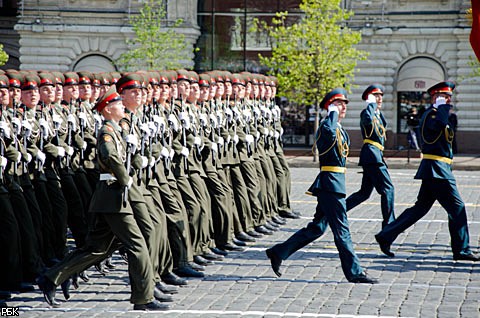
{"points": [[28, 158], [172, 153], [173, 122], [98, 119], [268, 113], [18, 158], [258, 135], [229, 114], [266, 132], [270, 133], [249, 139], [197, 141], [165, 153], [44, 127], [214, 147], [236, 113], [133, 142], [281, 131], [60, 152], [5, 128], [17, 124], [27, 128], [82, 116], [70, 150], [185, 119], [229, 139], [235, 139], [152, 162], [144, 161], [57, 121], [263, 110], [213, 121], [185, 152], [3, 162], [220, 141], [439, 101], [72, 121], [159, 123], [332, 108], [203, 119], [153, 128], [247, 115], [276, 113], [130, 183], [41, 157], [144, 129], [219, 117], [371, 99], [276, 134], [256, 112], [84, 145]]}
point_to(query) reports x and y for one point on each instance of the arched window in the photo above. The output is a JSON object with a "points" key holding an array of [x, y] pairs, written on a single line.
{"points": [[413, 80], [94, 63]]}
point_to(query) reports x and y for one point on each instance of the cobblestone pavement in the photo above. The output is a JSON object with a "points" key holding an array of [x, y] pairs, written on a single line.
{"points": [[421, 281]]}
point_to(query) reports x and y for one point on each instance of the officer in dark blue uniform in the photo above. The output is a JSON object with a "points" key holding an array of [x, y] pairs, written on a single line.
{"points": [[375, 173], [438, 182], [329, 187]]}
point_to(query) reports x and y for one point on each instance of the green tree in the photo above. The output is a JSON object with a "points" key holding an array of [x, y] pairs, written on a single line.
{"points": [[3, 56], [313, 55], [155, 45]]}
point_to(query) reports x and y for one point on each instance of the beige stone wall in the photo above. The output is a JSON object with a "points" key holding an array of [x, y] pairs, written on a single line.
{"points": [[393, 35], [56, 35]]}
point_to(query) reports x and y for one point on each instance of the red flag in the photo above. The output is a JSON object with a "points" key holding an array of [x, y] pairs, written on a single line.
{"points": [[475, 34]]}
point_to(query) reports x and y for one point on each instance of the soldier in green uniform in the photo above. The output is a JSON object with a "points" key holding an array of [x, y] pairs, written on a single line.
{"points": [[113, 219]]}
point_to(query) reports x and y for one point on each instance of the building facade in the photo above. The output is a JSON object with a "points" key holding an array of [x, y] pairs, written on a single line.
{"points": [[412, 44]]}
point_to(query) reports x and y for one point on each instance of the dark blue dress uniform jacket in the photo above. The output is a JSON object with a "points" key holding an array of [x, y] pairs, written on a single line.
{"points": [[331, 134]]}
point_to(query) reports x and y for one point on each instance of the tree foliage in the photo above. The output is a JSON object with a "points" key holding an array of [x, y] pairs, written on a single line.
{"points": [[156, 45], [3, 56], [315, 54]]}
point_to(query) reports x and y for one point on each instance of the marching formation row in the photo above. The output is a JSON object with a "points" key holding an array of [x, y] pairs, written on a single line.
{"points": [[174, 169]]}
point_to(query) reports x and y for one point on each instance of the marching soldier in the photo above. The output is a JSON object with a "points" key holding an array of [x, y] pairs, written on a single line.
{"points": [[438, 182], [375, 172], [113, 219], [329, 186]]}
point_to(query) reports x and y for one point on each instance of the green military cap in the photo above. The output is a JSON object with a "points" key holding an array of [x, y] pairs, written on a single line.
{"points": [[2, 72], [46, 79], [96, 79], [71, 78], [163, 78], [237, 79], [15, 79], [59, 78], [115, 77], [172, 76], [193, 76], [217, 75], [227, 76], [153, 78], [30, 81], [129, 81], [4, 83], [84, 77], [247, 76], [105, 78], [183, 75], [204, 80], [109, 97], [144, 76]]}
